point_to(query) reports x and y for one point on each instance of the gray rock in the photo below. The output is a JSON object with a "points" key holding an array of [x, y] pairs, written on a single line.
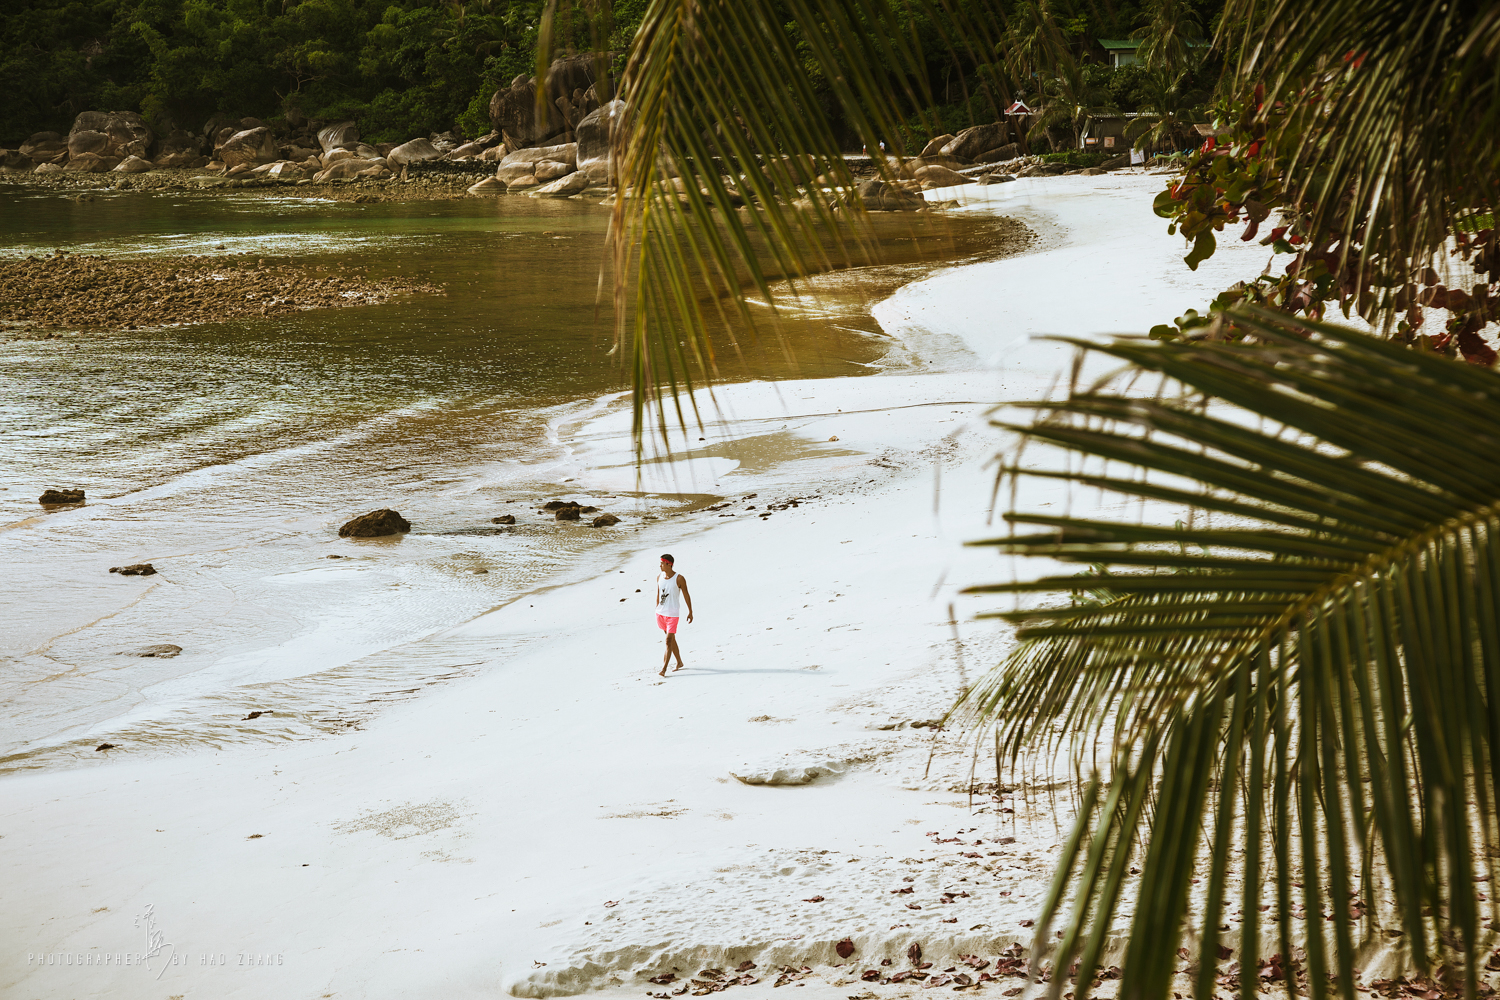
{"points": [[14, 159], [92, 163], [489, 187], [972, 141], [571, 93], [125, 132], [599, 133], [133, 165], [251, 147], [43, 147], [509, 173], [566, 152], [341, 134], [938, 176], [563, 187], [1000, 154], [416, 151], [87, 142], [551, 170], [375, 524]]}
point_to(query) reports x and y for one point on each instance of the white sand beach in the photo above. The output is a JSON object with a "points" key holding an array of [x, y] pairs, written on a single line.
{"points": [[556, 819]]}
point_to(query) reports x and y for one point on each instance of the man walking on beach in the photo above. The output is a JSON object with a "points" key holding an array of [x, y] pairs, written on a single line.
{"points": [[671, 592]]}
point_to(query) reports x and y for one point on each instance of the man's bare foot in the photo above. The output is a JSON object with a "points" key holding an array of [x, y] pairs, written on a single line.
{"points": [[663, 671], [676, 668]]}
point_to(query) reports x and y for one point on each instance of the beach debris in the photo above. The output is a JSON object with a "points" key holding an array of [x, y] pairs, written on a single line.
{"points": [[55, 497], [663, 979], [105, 746], [254, 715], [845, 948], [814, 899], [833, 439], [913, 906], [745, 966], [255, 836], [611, 902], [605, 521], [375, 524], [504, 519], [135, 569], [914, 953], [903, 889], [162, 651]]}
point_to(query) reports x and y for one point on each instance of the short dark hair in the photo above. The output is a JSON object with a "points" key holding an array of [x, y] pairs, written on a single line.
{"points": [[667, 556]]}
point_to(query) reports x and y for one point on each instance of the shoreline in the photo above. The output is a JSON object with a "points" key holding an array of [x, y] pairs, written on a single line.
{"points": [[563, 821]]}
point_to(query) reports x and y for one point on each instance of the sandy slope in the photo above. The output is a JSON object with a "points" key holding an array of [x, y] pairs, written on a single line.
{"points": [[563, 820]]}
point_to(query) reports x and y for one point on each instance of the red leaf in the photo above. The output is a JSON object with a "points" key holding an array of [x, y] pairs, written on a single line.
{"points": [[914, 953], [1028, 923], [845, 948]]}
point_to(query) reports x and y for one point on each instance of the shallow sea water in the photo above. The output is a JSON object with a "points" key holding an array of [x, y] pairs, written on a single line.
{"points": [[228, 454]]}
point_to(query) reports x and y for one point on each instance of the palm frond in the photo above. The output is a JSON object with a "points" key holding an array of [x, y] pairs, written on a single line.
{"points": [[1298, 690], [731, 175]]}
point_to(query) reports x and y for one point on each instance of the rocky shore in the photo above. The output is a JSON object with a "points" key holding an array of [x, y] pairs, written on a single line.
{"points": [[80, 292]]}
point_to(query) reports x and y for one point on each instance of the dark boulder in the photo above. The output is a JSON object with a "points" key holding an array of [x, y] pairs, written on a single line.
{"points": [[558, 504], [504, 519], [570, 82], [126, 134], [375, 524], [161, 651], [1000, 154], [135, 569], [60, 496], [605, 520], [568, 513]]}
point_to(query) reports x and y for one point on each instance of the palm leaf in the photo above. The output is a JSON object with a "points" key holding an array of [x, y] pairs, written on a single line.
{"points": [[1307, 671], [731, 173]]}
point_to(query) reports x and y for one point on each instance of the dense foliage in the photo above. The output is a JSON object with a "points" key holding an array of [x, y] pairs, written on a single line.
{"points": [[405, 67]]}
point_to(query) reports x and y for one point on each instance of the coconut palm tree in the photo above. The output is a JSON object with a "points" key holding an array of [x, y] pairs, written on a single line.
{"points": [[1170, 106], [1307, 671], [1074, 93]]}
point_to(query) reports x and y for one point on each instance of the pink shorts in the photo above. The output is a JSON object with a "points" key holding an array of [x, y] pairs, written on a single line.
{"points": [[667, 625]]}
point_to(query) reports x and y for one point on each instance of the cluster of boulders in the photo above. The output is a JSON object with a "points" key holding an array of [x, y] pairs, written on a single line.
{"points": [[945, 161], [578, 161], [121, 142]]}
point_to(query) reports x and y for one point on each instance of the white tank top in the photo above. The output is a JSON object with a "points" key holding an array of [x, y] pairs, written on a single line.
{"points": [[670, 604]]}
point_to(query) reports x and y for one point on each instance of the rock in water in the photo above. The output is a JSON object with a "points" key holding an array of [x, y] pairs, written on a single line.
{"points": [[557, 504], [504, 519], [605, 521], [61, 496], [135, 569], [162, 651], [567, 513], [375, 524]]}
